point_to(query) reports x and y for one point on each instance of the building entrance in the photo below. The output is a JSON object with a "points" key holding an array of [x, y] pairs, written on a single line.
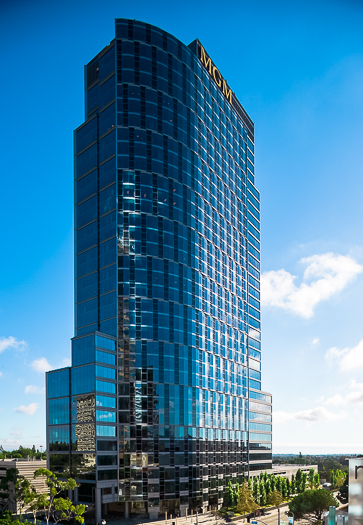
{"points": [[171, 506]]}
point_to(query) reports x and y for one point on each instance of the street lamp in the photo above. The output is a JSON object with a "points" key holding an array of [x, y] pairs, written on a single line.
{"points": [[288, 515]]}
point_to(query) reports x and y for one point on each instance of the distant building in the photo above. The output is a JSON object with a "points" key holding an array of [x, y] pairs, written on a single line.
{"points": [[26, 468], [287, 471]]}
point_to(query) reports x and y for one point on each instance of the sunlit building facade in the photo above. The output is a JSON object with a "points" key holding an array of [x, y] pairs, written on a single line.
{"points": [[162, 405]]}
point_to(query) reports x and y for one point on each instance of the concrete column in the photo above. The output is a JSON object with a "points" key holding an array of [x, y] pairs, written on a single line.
{"points": [[70, 494], [76, 495], [127, 509], [98, 505]]}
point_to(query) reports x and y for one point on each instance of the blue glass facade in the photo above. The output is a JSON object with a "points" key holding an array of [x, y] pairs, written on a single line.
{"points": [[166, 359]]}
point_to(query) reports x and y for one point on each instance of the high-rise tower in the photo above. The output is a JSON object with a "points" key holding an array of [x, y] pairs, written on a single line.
{"points": [[162, 405]]}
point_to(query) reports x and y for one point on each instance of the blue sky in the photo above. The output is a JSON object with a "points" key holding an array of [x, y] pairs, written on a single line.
{"points": [[297, 68]]}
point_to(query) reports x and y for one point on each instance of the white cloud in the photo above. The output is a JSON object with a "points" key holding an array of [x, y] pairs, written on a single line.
{"points": [[9, 441], [348, 358], [311, 415], [325, 275], [336, 400], [33, 389], [1, 374], [41, 365], [15, 432], [315, 341], [11, 342], [355, 397], [30, 409]]}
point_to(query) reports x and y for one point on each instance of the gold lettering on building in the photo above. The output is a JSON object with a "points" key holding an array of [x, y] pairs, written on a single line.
{"points": [[227, 92], [207, 63], [215, 74]]}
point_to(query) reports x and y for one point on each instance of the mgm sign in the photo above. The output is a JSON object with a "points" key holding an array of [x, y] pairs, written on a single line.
{"points": [[215, 74]]}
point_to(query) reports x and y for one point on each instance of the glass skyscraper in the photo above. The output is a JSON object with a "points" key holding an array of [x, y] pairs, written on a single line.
{"points": [[162, 405]]}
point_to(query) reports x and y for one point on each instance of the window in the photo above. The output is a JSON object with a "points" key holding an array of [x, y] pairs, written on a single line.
{"points": [[260, 426], [59, 438], [87, 262], [105, 431], [107, 373], [105, 401], [87, 186], [86, 236], [58, 383], [103, 342], [86, 135], [259, 396], [83, 379], [107, 446], [104, 357], [103, 386], [58, 411], [104, 475], [107, 460], [260, 437], [83, 350], [86, 161], [109, 417]]}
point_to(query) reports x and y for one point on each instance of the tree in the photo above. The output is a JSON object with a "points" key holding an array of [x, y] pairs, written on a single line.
{"points": [[298, 480], [52, 504], [343, 492], [304, 478], [7, 496], [312, 501], [268, 486], [316, 480], [7, 519], [25, 494], [273, 482], [235, 494], [245, 501], [263, 498], [275, 498], [339, 477], [284, 487], [288, 488], [229, 495], [311, 476], [256, 491], [278, 485], [293, 485]]}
